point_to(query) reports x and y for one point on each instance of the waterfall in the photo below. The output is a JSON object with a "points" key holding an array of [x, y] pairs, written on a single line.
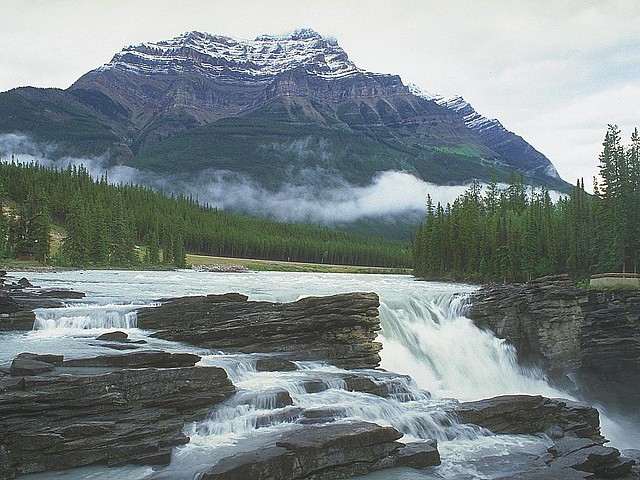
{"points": [[424, 332], [86, 317], [430, 339]]}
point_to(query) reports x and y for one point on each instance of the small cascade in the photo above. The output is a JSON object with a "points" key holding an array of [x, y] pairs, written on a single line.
{"points": [[87, 317], [268, 403]]}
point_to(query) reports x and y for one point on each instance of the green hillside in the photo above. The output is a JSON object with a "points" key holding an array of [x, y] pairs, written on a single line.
{"points": [[51, 116], [106, 225]]}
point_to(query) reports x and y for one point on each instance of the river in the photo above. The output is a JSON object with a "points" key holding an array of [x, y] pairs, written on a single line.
{"points": [[424, 334]]}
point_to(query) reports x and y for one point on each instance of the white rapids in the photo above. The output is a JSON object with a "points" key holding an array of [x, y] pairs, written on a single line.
{"points": [[425, 335]]}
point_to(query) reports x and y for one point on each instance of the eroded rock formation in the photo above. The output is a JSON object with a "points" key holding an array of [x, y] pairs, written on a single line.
{"points": [[101, 410], [326, 452], [339, 329]]}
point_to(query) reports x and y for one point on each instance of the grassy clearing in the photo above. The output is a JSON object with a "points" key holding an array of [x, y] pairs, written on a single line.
{"points": [[272, 265]]}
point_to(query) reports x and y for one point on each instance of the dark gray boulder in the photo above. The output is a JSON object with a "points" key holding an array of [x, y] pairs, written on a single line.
{"points": [[585, 456], [418, 455], [275, 364], [332, 451], [114, 337], [339, 329], [140, 359], [533, 414], [73, 417], [326, 452]]}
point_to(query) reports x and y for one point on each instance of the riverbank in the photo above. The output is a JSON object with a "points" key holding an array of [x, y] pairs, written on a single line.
{"points": [[225, 264]]}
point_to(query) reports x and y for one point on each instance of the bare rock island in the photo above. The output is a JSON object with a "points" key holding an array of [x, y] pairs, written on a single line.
{"points": [[339, 329]]}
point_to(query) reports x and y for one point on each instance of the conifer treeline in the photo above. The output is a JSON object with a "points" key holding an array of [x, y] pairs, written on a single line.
{"points": [[516, 233], [105, 225]]}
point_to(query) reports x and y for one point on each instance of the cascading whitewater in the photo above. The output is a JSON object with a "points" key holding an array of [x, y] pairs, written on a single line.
{"points": [[431, 340], [87, 317], [424, 333]]}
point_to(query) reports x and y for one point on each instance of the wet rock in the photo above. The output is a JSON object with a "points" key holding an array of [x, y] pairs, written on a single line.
{"points": [[324, 452], [24, 282], [114, 337], [281, 398], [27, 364], [144, 358], [12, 317], [117, 346], [365, 384], [268, 463], [120, 337], [530, 415], [584, 339], [275, 364], [315, 452], [604, 462], [550, 474], [578, 447], [63, 294], [339, 329], [27, 367], [314, 386], [17, 304], [67, 419], [46, 358], [418, 455], [321, 415]]}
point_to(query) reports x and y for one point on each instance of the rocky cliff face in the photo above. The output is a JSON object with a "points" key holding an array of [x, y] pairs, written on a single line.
{"points": [[583, 339]]}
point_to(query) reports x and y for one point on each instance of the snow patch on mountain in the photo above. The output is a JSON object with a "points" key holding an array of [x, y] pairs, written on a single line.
{"points": [[476, 122], [221, 56]]}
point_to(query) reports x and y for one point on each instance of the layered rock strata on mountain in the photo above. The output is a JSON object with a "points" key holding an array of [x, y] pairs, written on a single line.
{"points": [[153, 100], [324, 452], [339, 329], [101, 411], [590, 336]]}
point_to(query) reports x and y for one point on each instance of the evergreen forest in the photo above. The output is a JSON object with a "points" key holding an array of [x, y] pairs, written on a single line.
{"points": [[106, 225], [516, 233]]}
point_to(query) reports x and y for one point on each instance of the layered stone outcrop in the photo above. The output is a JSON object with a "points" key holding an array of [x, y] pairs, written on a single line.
{"points": [[339, 329], [326, 452], [578, 451], [58, 415], [587, 339], [533, 414]]}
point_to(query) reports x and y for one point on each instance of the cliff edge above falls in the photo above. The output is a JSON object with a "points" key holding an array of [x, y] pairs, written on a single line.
{"points": [[584, 339]]}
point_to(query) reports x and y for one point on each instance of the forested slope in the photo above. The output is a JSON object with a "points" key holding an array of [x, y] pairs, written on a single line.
{"points": [[107, 224], [517, 233]]}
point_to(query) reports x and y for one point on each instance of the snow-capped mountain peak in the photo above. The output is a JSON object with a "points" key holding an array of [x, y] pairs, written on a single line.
{"points": [[222, 56]]}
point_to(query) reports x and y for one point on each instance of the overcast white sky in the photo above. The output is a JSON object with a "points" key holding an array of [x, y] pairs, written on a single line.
{"points": [[555, 72]]}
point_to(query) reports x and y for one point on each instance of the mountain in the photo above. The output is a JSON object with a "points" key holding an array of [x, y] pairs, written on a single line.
{"points": [[504, 142], [275, 111]]}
